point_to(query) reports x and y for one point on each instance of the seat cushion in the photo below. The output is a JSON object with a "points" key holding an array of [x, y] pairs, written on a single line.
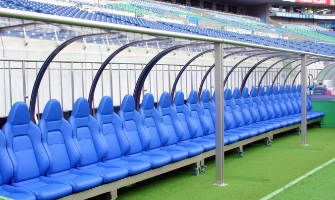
{"points": [[192, 148], [107, 171], [176, 153], [241, 134], [155, 159], [16, 193], [46, 188], [251, 130], [205, 143], [133, 165], [226, 140], [78, 179]]}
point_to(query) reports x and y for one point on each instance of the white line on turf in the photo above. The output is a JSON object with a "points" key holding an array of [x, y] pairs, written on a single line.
{"points": [[297, 180]]}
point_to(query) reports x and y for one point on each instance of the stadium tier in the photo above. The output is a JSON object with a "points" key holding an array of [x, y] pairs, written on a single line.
{"points": [[223, 20]]}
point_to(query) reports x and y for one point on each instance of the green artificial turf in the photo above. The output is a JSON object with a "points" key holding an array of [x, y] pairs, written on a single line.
{"points": [[320, 185], [261, 171]]}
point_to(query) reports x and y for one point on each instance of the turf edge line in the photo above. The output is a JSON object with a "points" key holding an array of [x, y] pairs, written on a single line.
{"points": [[297, 180]]}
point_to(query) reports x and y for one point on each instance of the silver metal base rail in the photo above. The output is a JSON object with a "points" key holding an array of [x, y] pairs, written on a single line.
{"points": [[197, 161]]}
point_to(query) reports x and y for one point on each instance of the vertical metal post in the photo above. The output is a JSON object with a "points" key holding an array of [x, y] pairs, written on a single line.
{"points": [[102, 83], [24, 82], [82, 79], [38, 99], [303, 101], [61, 86], [127, 80], [10, 84], [120, 84], [49, 74], [169, 77], [219, 129], [111, 78], [72, 84]]}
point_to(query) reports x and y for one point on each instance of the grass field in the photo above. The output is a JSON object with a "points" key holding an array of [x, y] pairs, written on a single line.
{"points": [[261, 171]]}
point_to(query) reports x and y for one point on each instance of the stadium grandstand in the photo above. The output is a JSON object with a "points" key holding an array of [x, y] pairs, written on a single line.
{"points": [[141, 99]]}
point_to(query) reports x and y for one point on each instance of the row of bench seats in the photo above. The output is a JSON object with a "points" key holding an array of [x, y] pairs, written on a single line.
{"points": [[59, 157]]}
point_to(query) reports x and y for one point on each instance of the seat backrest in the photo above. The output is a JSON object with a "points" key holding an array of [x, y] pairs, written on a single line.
{"points": [[243, 115], [170, 119], [133, 127], [24, 143], [291, 99], [285, 100], [57, 139], [296, 97], [209, 110], [110, 126], [257, 105], [279, 101], [230, 108], [269, 112], [152, 122], [86, 134], [272, 102], [184, 116], [197, 114], [248, 105], [6, 167]]}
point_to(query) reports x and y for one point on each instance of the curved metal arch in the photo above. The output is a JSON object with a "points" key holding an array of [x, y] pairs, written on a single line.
{"points": [[268, 69], [300, 70], [296, 76], [6, 28], [46, 65], [106, 62], [141, 79], [241, 61], [254, 67], [210, 69], [275, 78], [182, 71]]}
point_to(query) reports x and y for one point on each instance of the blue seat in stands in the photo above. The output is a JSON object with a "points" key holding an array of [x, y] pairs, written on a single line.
{"points": [[30, 161], [178, 134], [248, 105], [91, 144], [6, 174], [159, 129], [268, 108], [201, 123], [209, 114], [62, 151], [246, 120], [137, 136], [117, 144]]}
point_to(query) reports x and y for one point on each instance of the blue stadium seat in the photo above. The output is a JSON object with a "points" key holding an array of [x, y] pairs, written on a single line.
{"points": [[30, 161], [6, 174], [201, 123], [62, 151], [260, 110], [137, 136], [209, 114], [160, 131], [178, 134], [246, 120], [287, 106], [117, 144], [248, 105], [91, 145], [269, 111]]}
